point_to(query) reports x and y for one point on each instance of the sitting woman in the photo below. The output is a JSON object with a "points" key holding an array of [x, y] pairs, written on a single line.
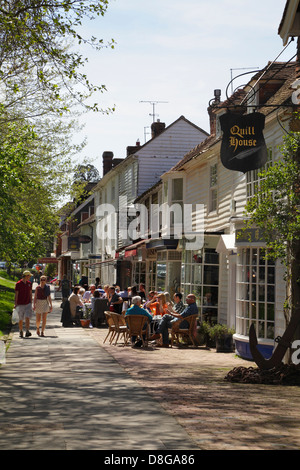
{"points": [[159, 305], [81, 293], [75, 302], [169, 302]]}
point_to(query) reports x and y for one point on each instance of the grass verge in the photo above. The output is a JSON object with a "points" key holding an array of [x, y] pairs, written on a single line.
{"points": [[7, 297]]}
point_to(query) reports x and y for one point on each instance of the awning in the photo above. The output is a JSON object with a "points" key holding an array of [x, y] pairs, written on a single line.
{"points": [[129, 253], [97, 263], [162, 244], [131, 250], [226, 244], [69, 254]]}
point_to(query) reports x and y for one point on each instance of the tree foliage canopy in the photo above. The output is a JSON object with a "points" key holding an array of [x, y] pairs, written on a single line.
{"points": [[275, 208], [34, 40], [42, 81]]}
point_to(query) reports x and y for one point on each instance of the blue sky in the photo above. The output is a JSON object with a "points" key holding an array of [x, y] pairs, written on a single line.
{"points": [[172, 51]]}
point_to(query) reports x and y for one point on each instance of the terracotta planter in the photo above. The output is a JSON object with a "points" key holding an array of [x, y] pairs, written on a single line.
{"points": [[84, 322]]}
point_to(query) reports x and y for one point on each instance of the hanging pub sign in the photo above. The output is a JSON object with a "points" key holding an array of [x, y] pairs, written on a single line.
{"points": [[243, 146]]}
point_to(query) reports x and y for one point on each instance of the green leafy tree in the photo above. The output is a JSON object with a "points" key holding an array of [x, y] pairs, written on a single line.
{"points": [[86, 173], [35, 41], [275, 209], [42, 81]]}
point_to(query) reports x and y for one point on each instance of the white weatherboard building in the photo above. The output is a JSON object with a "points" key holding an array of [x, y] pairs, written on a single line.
{"points": [[122, 184], [233, 282]]}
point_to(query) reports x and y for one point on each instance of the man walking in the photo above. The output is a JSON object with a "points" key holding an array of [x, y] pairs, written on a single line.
{"points": [[23, 302]]}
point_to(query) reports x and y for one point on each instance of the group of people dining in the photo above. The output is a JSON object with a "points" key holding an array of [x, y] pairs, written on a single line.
{"points": [[160, 305], [160, 309]]}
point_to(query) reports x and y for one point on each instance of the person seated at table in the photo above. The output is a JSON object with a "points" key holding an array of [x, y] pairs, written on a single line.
{"points": [[149, 300], [81, 293], [142, 292], [97, 309], [114, 300], [178, 306], [159, 305], [168, 300], [74, 303], [88, 294], [106, 291], [137, 309], [124, 293], [168, 319]]}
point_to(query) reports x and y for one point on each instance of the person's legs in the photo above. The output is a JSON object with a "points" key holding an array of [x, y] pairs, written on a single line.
{"points": [[21, 327], [28, 313], [44, 321], [163, 328], [38, 321], [20, 310]]}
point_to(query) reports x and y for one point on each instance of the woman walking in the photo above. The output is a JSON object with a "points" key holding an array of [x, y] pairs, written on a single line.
{"points": [[42, 305]]}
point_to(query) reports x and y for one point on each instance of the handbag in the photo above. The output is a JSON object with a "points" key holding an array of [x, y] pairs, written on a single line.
{"points": [[14, 316]]}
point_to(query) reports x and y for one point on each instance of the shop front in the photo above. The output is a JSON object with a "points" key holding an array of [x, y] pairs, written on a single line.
{"points": [[200, 276], [163, 266], [259, 294]]}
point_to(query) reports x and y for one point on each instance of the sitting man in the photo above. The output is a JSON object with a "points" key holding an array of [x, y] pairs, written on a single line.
{"points": [[136, 309], [114, 300], [178, 304], [169, 319], [89, 293]]}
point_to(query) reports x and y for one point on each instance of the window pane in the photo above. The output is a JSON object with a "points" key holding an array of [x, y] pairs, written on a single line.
{"points": [[270, 330], [177, 189], [213, 175], [253, 311], [161, 276], [211, 256], [270, 312], [197, 274], [261, 310], [271, 276], [211, 275], [261, 296]]}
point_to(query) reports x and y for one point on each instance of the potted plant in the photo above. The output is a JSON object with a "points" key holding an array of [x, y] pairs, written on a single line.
{"points": [[86, 317], [203, 336], [222, 334]]}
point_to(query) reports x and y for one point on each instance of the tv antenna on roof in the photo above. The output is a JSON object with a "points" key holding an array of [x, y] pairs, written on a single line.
{"points": [[154, 103]]}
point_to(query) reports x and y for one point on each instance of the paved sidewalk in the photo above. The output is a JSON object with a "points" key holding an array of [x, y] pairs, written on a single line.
{"points": [[71, 391], [219, 415], [65, 392]]}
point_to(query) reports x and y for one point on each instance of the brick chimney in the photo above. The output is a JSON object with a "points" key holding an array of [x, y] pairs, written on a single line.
{"points": [[212, 120], [133, 148], [157, 128], [212, 111], [107, 158]]}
